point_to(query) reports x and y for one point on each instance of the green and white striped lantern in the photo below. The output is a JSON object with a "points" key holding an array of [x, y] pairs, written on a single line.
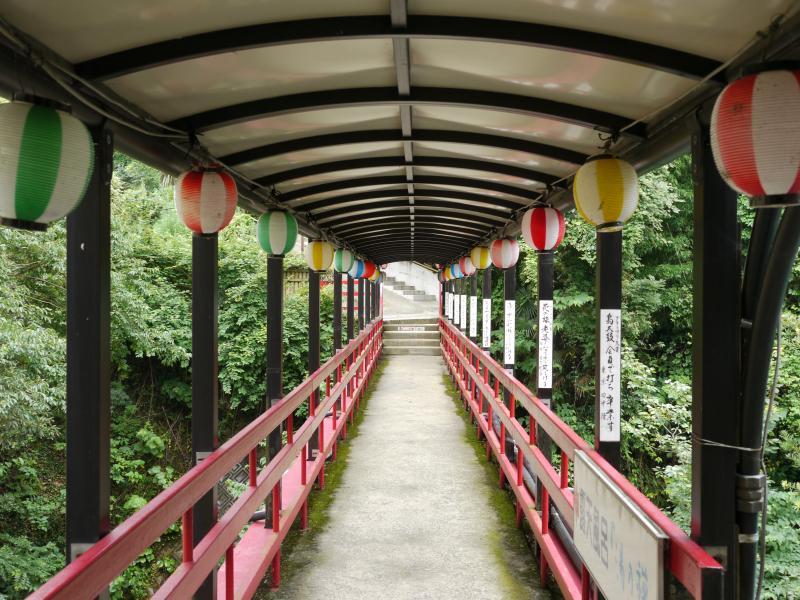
{"points": [[276, 232], [46, 161], [343, 260]]}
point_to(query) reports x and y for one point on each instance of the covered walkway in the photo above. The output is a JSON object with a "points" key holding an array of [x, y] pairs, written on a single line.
{"points": [[412, 517]]}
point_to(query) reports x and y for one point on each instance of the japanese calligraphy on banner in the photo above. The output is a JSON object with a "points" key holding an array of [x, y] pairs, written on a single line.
{"points": [[473, 316], [545, 344], [609, 383], [464, 312], [447, 304], [622, 548], [457, 309], [510, 332], [487, 323]]}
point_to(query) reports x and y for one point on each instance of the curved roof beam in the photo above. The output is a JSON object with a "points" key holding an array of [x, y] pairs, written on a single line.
{"points": [[384, 222], [419, 202], [467, 182], [389, 96], [393, 232], [400, 161], [404, 212], [395, 135], [367, 27], [418, 193]]}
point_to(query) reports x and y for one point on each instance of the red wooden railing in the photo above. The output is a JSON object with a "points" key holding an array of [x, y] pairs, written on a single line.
{"points": [[482, 383], [288, 477]]}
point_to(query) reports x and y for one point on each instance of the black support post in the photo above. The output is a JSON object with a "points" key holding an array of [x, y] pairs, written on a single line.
{"points": [[337, 310], [608, 346], [350, 308], [367, 301], [313, 345], [274, 355], [544, 350], [486, 320], [361, 305], [715, 358], [204, 383], [473, 307], [89, 356], [510, 295]]}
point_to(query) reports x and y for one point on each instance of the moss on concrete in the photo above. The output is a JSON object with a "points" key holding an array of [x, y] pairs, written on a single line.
{"points": [[513, 555]]}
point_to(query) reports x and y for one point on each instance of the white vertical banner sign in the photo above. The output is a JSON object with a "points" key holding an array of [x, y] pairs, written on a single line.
{"points": [[545, 344], [456, 308], [609, 383], [487, 323], [473, 316], [447, 304], [464, 312], [510, 332]]}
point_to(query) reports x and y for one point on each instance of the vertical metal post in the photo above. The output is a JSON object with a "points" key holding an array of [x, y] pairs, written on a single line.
{"points": [[510, 295], [337, 310], [361, 305], [608, 346], [350, 308], [486, 321], [544, 363], [89, 356], [313, 347], [442, 297], [367, 301], [204, 383], [274, 355], [715, 359], [473, 307]]}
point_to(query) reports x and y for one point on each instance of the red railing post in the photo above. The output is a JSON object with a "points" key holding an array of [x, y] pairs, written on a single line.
{"points": [[187, 534], [543, 568], [276, 527], [229, 573], [290, 428], [252, 464], [564, 470]]}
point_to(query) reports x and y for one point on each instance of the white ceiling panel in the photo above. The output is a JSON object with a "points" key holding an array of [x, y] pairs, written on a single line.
{"points": [[338, 175], [83, 29], [250, 134], [480, 175], [712, 28], [193, 86], [588, 81], [306, 158], [512, 157], [337, 193]]}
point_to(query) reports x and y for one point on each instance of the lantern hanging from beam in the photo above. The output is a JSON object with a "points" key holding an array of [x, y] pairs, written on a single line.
{"points": [[46, 162], [456, 271], [606, 192], [543, 228], [755, 137], [357, 270], [343, 260], [481, 257], [205, 200], [505, 253], [319, 255], [440, 276], [447, 274], [466, 266], [369, 269], [376, 275], [276, 232]]}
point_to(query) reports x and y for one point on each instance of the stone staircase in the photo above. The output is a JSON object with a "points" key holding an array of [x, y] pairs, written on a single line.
{"points": [[407, 290], [418, 335]]}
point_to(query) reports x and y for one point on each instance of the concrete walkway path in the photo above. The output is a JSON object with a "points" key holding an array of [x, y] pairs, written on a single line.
{"points": [[413, 516]]}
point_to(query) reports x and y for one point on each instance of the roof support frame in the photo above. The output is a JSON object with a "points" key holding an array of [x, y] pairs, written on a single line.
{"points": [[383, 222], [422, 194], [446, 216], [419, 202]]}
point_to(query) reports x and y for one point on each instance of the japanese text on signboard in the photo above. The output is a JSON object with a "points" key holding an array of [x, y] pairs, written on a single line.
{"points": [[609, 374]]}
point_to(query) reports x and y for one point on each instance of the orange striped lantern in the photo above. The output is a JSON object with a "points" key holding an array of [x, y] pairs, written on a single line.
{"points": [[543, 228], [205, 200], [466, 266], [755, 137], [505, 253]]}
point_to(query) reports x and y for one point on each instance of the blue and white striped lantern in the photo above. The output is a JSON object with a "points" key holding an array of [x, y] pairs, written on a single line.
{"points": [[455, 269], [276, 232], [357, 270], [46, 162]]}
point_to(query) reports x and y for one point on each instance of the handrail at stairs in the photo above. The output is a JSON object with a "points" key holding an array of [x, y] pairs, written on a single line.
{"points": [[93, 571], [481, 382]]}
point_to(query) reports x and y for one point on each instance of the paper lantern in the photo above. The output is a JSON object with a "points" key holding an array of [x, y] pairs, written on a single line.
{"points": [[505, 253], [46, 162], [480, 257], [319, 255], [276, 232], [456, 271], [369, 269], [606, 192], [205, 200], [755, 137], [376, 275], [447, 274], [357, 270], [543, 228], [466, 266], [440, 276], [343, 260]]}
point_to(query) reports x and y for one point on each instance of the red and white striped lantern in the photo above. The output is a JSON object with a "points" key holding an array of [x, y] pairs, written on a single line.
{"points": [[205, 200], [369, 269], [755, 136], [466, 266], [543, 228], [505, 253]]}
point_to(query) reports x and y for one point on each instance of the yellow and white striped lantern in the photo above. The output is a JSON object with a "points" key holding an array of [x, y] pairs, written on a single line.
{"points": [[376, 275], [481, 257], [606, 192], [319, 255]]}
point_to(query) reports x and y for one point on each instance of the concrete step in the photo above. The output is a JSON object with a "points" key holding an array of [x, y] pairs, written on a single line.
{"points": [[422, 350], [411, 321], [410, 335], [412, 327], [411, 342]]}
